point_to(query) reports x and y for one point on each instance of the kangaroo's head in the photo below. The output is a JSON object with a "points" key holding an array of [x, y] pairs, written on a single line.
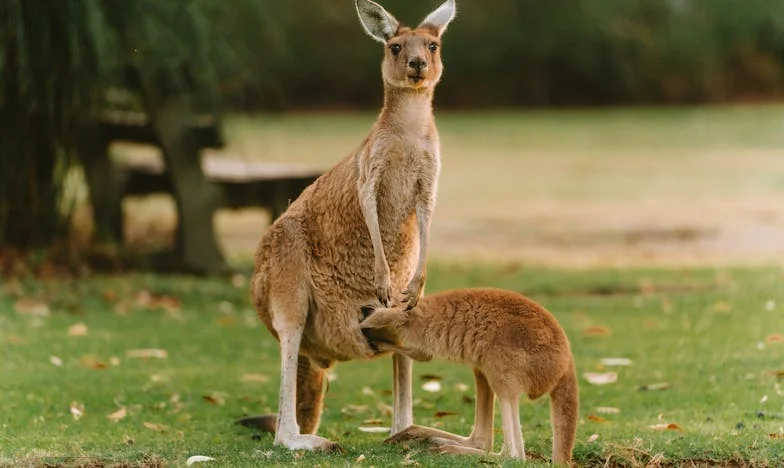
{"points": [[412, 57]]}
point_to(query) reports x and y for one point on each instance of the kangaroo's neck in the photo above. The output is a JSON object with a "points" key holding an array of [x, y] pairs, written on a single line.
{"points": [[407, 109]]}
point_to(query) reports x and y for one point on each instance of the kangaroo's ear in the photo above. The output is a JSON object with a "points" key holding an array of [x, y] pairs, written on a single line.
{"points": [[440, 18], [384, 318], [376, 21]]}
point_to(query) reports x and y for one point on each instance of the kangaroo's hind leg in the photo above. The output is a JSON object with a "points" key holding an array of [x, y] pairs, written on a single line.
{"points": [[481, 438]]}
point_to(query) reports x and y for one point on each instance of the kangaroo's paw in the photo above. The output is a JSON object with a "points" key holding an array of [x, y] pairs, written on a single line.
{"points": [[309, 442]]}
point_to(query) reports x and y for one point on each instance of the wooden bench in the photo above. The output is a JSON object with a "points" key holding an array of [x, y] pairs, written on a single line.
{"points": [[199, 184]]}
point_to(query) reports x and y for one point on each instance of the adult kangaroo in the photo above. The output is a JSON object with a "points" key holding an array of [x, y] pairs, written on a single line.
{"points": [[356, 236]]}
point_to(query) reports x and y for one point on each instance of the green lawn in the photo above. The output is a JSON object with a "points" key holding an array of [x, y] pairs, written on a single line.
{"points": [[713, 336]]}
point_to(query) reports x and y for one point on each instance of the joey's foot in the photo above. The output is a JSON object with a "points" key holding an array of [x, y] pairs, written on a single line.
{"points": [[309, 442], [264, 423], [457, 450], [408, 434]]}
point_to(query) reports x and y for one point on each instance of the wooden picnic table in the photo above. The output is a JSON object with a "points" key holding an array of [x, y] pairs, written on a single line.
{"points": [[200, 184]]}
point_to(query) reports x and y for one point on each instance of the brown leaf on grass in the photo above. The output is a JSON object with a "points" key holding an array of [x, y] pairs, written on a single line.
{"points": [[109, 296], [431, 377], [32, 307], [775, 338], [148, 300], [78, 329], [373, 421], [593, 438], [598, 419], [254, 378], [655, 386], [604, 378], [597, 330], [155, 426], [147, 353], [441, 414], [666, 427], [118, 415], [215, 398], [92, 362], [56, 361], [776, 435], [777, 373]]}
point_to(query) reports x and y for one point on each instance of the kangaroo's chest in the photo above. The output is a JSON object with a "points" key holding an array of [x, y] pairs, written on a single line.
{"points": [[409, 177]]}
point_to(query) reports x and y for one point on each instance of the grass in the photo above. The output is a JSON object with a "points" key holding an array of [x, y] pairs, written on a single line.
{"points": [[713, 335]]}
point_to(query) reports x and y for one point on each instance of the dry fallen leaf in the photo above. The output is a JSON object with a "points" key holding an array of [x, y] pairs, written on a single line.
{"points": [[431, 377], [32, 307], [148, 300], [367, 391], [255, 378], [197, 459], [77, 410], [593, 437], [461, 387], [77, 329], [216, 398], [432, 386], [775, 338], [374, 429], [147, 353], [114, 361], [655, 386], [92, 362], [597, 330], [616, 362], [441, 414], [56, 361], [360, 458], [601, 378], [155, 426], [597, 419], [776, 435], [607, 410], [666, 427], [118, 415], [373, 421]]}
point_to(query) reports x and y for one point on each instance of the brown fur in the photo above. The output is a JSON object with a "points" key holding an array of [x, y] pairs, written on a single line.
{"points": [[357, 235], [514, 345]]}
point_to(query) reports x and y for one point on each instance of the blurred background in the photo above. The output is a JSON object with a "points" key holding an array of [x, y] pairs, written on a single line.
{"points": [[574, 132]]}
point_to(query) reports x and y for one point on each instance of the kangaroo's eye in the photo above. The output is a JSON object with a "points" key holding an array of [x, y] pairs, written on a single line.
{"points": [[433, 47], [395, 48]]}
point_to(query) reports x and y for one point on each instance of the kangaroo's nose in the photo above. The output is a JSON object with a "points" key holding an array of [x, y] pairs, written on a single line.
{"points": [[417, 63]]}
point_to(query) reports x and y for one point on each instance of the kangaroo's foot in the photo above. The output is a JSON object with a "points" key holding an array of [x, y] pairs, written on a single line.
{"points": [[429, 435], [308, 442]]}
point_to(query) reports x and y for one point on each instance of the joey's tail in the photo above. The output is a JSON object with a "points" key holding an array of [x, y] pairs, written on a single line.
{"points": [[564, 409]]}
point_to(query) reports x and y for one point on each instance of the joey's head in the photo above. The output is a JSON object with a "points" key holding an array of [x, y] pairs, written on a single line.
{"points": [[412, 57], [383, 325]]}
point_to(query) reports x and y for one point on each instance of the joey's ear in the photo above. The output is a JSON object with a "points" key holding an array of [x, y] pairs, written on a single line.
{"points": [[376, 21], [440, 18], [384, 318]]}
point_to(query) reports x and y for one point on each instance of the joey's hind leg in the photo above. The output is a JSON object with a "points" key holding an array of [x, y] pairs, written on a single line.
{"points": [[481, 438]]}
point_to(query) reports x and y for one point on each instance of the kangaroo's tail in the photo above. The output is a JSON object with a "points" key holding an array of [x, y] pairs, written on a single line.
{"points": [[564, 409]]}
